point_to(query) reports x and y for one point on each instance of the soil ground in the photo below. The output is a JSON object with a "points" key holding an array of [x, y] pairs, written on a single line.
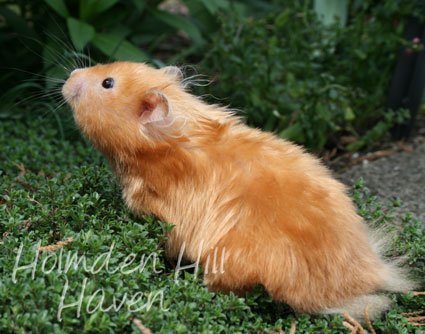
{"points": [[400, 175]]}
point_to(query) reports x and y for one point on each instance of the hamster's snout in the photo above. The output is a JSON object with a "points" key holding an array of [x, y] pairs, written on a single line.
{"points": [[73, 87], [75, 71]]}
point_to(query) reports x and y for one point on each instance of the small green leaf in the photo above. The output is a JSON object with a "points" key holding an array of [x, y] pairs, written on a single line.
{"points": [[81, 33], [355, 146], [293, 132], [360, 54], [211, 6], [349, 114], [282, 18], [118, 48], [90, 8], [140, 5], [178, 22], [59, 7]]}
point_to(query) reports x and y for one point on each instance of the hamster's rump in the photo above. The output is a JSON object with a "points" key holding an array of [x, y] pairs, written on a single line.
{"points": [[273, 210]]}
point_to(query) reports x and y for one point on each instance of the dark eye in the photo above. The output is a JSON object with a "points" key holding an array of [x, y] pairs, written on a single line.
{"points": [[108, 83]]}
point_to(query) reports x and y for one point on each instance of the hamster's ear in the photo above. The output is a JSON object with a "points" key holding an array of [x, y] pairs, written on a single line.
{"points": [[173, 71], [154, 107]]}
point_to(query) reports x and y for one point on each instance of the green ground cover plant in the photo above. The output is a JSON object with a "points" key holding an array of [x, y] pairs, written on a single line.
{"points": [[53, 189]]}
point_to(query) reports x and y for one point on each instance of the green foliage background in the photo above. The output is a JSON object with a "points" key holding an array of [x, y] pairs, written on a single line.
{"points": [[308, 82], [274, 60]]}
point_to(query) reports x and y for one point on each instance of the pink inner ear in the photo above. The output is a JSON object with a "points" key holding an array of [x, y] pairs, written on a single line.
{"points": [[149, 103], [154, 107]]}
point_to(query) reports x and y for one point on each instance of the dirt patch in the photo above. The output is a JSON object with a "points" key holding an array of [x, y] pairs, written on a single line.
{"points": [[400, 175]]}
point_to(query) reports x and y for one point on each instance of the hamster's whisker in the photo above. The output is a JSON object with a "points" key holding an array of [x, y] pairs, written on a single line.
{"points": [[64, 42], [198, 80], [61, 57], [55, 81], [42, 78], [55, 57], [89, 56], [50, 62], [54, 93], [74, 60]]}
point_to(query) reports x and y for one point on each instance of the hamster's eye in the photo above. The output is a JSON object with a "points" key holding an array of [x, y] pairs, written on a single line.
{"points": [[108, 83]]}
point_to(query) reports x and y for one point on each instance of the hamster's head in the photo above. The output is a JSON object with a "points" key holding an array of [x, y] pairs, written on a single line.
{"points": [[123, 106]]}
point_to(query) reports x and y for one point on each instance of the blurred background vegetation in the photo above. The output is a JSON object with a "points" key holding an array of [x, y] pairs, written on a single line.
{"points": [[310, 78]]}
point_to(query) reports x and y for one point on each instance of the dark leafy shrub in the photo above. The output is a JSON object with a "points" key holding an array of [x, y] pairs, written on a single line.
{"points": [[61, 34], [44, 40], [308, 82]]}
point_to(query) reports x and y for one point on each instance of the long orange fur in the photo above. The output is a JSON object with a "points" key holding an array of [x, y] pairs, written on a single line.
{"points": [[282, 219]]}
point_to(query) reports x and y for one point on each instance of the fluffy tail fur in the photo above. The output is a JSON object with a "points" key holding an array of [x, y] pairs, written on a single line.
{"points": [[394, 277]]}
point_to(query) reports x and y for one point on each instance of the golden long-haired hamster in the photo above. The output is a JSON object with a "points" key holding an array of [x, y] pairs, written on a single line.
{"points": [[272, 211]]}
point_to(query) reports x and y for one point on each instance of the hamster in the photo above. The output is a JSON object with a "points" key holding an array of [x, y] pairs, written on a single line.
{"points": [[271, 210]]}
